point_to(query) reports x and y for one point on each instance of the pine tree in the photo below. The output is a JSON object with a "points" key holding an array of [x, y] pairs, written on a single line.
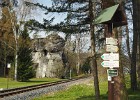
{"points": [[25, 70]]}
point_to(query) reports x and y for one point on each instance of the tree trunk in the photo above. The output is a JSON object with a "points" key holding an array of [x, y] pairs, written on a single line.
{"points": [[136, 5], [93, 54], [138, 43], [120, 92], [78, 53], [127, 43], [5, 56], [138, 70]]}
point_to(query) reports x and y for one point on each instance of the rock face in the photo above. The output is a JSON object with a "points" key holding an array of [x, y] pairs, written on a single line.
{"points": [[54, 43], [47, 56]]}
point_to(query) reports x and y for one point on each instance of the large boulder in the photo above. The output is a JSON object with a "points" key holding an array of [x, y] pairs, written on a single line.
{"points": [[48, 57], [54, 43]]}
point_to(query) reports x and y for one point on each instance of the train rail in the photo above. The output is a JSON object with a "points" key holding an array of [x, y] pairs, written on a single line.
{"points": [[14, 91]]}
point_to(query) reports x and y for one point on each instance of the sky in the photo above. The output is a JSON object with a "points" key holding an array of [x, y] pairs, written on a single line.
{"points": [[58, 17], [40, 15]]}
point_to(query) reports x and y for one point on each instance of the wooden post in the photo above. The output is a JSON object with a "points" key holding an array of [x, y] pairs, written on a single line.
{"points": [[111, 81]]}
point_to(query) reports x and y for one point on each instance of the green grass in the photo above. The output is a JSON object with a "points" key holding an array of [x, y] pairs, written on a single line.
{"points": [[134, 95], [14, 84], [77, 92], [86, 92]]}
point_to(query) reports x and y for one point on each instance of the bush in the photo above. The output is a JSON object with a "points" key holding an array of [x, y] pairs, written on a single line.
{"points": [[86, 66]]}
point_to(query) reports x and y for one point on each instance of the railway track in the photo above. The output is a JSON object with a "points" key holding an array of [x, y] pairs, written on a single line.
{"points": [[10, 92]]}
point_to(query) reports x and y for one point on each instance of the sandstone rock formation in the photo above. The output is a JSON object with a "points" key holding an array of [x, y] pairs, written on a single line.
{"points": [[47, 56]]}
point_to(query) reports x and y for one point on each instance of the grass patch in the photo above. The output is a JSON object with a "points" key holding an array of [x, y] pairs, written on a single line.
{"points": [[86, 92], [134, 95], [14, 84], [77, 92]]}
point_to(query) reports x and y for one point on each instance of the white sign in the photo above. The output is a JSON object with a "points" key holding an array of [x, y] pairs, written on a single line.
{"points": [[9, 65], [110, 64], [109, 78], [110, 56], [111, 41], [111, 48], [112, 72]]}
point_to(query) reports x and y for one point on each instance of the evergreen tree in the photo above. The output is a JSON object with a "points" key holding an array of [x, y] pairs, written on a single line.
{"points": [[25, 70]]}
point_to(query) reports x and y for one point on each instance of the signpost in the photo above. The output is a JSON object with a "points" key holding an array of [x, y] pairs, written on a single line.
{"points": [[112, 72], [8, 66], [111, 41], [110, 56], [106, 17], [111, 60], [110, 64], [112, 48]]}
